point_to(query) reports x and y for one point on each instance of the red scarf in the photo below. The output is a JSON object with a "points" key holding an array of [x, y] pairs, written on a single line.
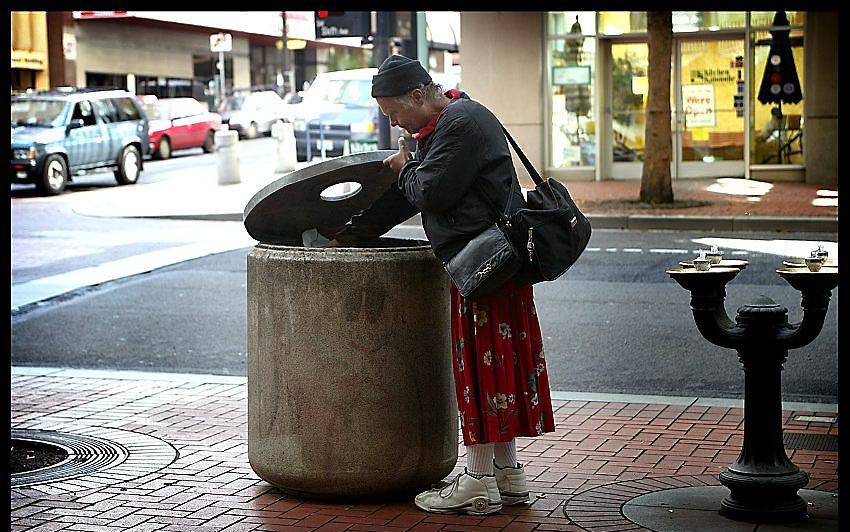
{"points": [[454, 94]]}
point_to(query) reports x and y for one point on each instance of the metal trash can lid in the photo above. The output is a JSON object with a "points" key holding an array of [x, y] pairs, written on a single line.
{"points": [[304, 199]]}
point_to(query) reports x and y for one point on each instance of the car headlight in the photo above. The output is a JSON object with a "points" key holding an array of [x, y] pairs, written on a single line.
{"points": [[24, 153], [362, 127]]}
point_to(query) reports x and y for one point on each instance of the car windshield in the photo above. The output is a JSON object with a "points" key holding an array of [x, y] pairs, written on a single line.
{"points": [[233, 103], [153, 110], [37, 112], [343, 91]]}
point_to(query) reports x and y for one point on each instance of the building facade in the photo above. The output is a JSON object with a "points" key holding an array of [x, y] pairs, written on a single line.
{"points": [[571, 87]]}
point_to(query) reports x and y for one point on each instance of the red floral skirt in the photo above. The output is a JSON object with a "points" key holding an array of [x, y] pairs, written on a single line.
{"points": [[500, 371]]}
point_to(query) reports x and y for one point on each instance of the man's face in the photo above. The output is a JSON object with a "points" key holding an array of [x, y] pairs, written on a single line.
{"points": [[407, 111]]}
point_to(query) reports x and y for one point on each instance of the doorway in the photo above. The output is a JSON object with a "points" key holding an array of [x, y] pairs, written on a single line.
{"points": [[706, 101]]}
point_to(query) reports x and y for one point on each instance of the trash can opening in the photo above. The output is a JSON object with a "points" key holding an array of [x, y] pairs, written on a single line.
{"points": [[341, 191], [383, 243]]}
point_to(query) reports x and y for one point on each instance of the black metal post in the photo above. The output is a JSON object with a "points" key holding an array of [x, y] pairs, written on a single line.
{"points": [[285, 51], [763, 482], [381, 51]]}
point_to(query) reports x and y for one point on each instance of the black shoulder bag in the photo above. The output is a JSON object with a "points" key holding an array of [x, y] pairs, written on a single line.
{"points": [[551, 228], [488, 260]]}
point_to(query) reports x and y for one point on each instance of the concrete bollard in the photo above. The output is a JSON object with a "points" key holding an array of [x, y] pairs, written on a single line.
{"points": [[227, 147], [286, 157]]}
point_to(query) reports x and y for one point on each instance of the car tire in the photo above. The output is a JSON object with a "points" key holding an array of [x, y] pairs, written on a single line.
{"points": [[164, 150], [54, 176], [209, 143], [251, 131], [129, 166]]}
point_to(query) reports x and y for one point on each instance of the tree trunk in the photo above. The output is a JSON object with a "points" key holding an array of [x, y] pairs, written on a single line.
{"points": [[655, 181]]}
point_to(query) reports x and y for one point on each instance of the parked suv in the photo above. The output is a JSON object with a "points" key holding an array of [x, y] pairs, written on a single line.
{"points": [[338, 113], [252, 113], [58, 133]]}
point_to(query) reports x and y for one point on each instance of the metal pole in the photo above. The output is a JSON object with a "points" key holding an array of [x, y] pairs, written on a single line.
{"points": [[381, 50], [221, 74], [285, 51]]}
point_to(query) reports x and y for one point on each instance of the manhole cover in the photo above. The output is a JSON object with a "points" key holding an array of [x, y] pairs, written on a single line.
{"points": [[95, 457]]}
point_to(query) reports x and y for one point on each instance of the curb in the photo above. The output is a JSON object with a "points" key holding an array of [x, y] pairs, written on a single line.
{"points": [[716, 223]]}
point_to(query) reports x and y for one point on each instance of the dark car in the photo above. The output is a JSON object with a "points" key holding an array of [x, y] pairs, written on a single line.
{"points": [[58, 133], [179, 123], [338, 115]]}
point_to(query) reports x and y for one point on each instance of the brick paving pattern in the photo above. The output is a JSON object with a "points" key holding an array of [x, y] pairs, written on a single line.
{"points": [[601, 455]]}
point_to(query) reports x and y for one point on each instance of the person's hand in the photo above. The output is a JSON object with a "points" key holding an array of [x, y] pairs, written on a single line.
{"points": [[397, 160], [332, 244]]}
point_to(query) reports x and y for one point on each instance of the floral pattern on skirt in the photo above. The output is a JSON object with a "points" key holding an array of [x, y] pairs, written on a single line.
{"points": [[499, 366]]}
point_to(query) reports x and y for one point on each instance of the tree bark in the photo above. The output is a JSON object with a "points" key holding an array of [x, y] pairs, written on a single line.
{"points": [[655, 182]]}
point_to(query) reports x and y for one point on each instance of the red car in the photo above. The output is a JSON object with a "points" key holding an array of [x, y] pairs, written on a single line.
{"points": [[179, 123]]}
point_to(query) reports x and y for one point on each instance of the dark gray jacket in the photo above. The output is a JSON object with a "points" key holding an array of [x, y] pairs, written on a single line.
{"points": [[467, 147]]}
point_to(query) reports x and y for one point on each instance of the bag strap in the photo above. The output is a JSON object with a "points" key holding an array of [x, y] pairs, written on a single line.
{"points": [[528, 166]]}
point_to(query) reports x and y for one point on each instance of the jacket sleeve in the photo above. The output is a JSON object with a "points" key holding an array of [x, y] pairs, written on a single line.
{"points": [[439, 181], [389, 210]]}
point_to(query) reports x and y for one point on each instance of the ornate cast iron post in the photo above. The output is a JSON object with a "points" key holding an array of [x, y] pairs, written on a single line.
{"points": [[763, 482]]}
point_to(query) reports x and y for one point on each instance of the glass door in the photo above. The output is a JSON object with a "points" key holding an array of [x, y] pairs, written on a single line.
{"points": [[629, 71], [707, 104], [709, 109]]}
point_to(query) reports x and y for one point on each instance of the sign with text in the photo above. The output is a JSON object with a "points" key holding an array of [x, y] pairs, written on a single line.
{"points": [[571, 75], [221, 42], [698, 102]]}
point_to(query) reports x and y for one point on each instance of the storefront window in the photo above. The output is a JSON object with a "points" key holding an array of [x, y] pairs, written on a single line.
{"points": [[620, 22], [712, 79], [561, 22], [687, 21], [571, 59], [629, 86], [764, 19], [777, 127]]}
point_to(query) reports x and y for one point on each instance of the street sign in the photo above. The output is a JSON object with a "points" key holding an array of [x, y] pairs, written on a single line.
{"points": [[221, 42], [343, 23]]}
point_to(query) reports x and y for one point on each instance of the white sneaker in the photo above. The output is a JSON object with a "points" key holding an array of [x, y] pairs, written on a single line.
{"points": [[465, 495], [513, 487]]}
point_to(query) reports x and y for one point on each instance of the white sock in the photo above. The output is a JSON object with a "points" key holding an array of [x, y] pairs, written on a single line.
{"points": [[504, 453], [479, 459]]}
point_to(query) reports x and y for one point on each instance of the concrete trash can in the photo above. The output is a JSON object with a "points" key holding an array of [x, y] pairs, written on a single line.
{"points": [[350, 391]]}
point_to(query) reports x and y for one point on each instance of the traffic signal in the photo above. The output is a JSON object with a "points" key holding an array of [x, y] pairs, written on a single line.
{"points": [[343, 23]]}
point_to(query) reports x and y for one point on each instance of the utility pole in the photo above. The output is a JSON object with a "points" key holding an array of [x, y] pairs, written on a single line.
{"points": [[381, 52], [284, 49]]}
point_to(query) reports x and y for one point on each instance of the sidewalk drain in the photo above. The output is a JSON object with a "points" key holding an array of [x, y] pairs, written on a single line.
{"points": [[96, 457], [810, 442]]}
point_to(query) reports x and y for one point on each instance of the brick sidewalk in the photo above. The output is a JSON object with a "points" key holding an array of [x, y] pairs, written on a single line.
{"points": [[601, 455]]}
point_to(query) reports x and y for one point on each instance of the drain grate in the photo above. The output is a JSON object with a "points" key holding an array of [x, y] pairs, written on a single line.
{"points": [[97, 457], [810, 442], [86, 455]]}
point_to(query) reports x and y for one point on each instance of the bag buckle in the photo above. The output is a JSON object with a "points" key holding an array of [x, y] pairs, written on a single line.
{"points": [[530, 245]]}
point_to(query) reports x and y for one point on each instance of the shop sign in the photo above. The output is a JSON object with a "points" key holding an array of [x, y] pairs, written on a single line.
{"points": [[29, 60], [571, 75], [699, 105], [69, 46]]}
